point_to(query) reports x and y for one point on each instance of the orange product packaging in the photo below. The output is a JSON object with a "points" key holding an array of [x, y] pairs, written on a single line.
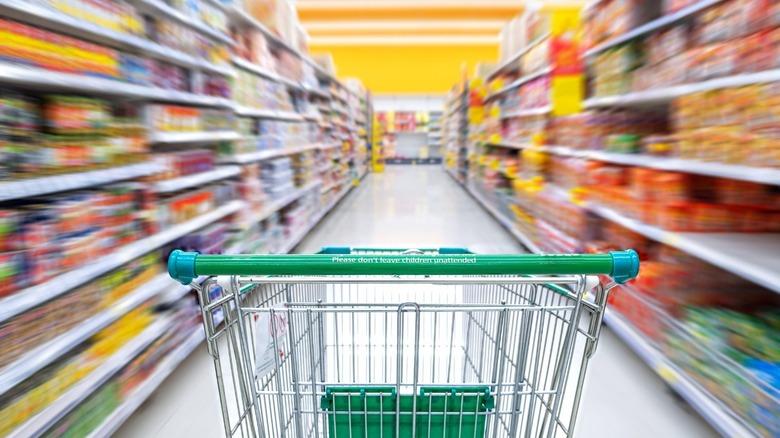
{"points": [[674, 217], [641, 180], [671, 187], [710, 218]]}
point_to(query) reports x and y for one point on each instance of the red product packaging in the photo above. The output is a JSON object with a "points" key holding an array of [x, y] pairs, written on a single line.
{"points": [[12, 265]]}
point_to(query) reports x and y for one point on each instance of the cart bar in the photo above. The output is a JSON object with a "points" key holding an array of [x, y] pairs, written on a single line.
{"points": [[621, 265], [350, 250]]}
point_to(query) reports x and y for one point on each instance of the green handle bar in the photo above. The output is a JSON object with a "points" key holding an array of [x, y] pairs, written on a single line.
{"points": [[622, 266]]}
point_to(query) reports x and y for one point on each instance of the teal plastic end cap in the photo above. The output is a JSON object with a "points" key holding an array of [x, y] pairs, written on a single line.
{"points": [[181, 266], [625, 265], [336, 250], [454, 251]]}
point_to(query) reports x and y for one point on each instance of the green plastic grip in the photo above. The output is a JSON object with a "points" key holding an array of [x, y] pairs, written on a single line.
{"points": [[622, 266]]}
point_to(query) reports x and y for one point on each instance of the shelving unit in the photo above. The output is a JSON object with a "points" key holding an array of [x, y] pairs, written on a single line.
{"points": [[750, 255], [192, 137], [60, 407], [135, 399], [341, 146], [719, 416], [196, 180], [61, 183], [28, 298], [731, 171]]}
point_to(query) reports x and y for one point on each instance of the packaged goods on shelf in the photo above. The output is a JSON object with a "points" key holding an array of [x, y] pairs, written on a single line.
{"points": [[186, 318], [73, 133], [734, 355], [38, 391], [203, 11], [726, 342], [685, 202], [738, 130], [89, 414], [277, 178], [85, 418], [251, 190], [44, 237], [181, 208], [266, 134], [730, 38], [278, 16], [185, 39], [118, 15], [297, 216], [28, 45], [303, 167], [252, 45], [210, 240], [612, 18], [185, 163], [169, 118], [532, 95], [24, 332], [254, 91]]}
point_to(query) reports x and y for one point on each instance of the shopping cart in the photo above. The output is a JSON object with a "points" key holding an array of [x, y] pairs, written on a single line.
{"points": [[394, 343]]}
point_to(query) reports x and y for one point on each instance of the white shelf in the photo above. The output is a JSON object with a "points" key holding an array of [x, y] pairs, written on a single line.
{"points": [[754, 257], [528, 112], [44, 354], [268, 114], [77, 393], [332, 186], [295, 240], [316, 92], [157, 7], [667, 94], [50, 18], [655, 25], [196, 180], [260, 71], [61, 183], [280, 204], [136, 398], [513, 61], [272, 153], [44, 80], [26, 299], [713, 411], [525, 79], [192, 137], [720, 170], [505, 221]]}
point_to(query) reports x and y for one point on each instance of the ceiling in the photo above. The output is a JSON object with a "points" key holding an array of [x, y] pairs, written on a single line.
{"points": [[385, 22], [404, 22]]}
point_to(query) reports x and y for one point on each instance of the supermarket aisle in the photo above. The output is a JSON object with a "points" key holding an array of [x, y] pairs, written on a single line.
{"points": [[423, 206]]}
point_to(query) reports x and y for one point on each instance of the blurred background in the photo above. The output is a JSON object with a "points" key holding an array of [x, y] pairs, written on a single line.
{"points": [[129, 128]]}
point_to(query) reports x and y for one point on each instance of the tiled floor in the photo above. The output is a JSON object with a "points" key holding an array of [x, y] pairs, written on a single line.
{"points": [[419, 206]]}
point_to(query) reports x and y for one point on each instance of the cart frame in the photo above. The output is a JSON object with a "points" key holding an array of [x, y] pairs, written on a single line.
{"points": [[356, 335]]}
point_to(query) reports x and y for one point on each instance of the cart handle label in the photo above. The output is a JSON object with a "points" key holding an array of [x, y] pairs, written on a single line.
{"points": [[622, 266]]}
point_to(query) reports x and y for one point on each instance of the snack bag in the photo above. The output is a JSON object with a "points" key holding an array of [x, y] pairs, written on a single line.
{"points": [[270, 340]]}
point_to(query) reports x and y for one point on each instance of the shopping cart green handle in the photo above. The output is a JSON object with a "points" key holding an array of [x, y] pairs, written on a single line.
{"points": [[622, 266]]}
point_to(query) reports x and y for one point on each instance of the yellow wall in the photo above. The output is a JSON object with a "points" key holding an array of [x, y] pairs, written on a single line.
{"points": [[409, 69]]}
